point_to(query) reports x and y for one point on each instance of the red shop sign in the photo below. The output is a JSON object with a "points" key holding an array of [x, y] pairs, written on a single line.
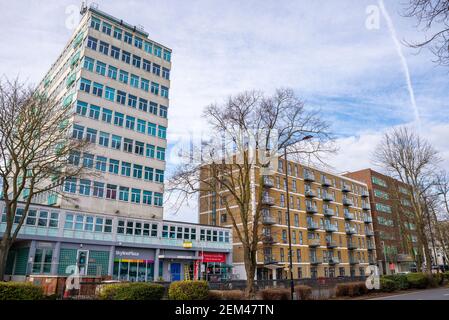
{"points": [[212, 257]]}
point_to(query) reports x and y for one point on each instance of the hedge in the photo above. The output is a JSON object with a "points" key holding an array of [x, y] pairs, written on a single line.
{"points": [[351, 289], [388, 285], [303, 292], [20, 291], [275, 294], [188, 290], [418, 280], [399, 279], [226, 295], [132, 291]]}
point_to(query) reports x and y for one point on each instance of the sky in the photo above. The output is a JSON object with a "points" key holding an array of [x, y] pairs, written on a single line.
{"points": [[336, 55]]}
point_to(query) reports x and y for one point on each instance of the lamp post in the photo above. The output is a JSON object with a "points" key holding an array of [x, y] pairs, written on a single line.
{"points": [[290, 253]]}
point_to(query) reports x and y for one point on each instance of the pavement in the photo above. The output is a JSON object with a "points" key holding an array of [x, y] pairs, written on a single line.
{"points": [[428, 294]]}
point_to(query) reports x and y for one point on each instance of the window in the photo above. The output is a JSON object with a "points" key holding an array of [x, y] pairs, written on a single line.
{"points": [[135, 195], [147, 195], [128, 145], [383, 207], [136, 61], [118, 117], [101, 68], [78, 131], [148, 47], [94, 112], [143, 104], [146, 65], [111, 191], [145, 84], [148, 174], [97, 89], [159, 176], [70, 185], [118, 33], [163, 112], [112, 72], [123, 194], [88, 64], [104, 139], [92, 43], [116, 142], [139, 148], [95, 23], [104, 48], [128, 38], [88, 160], [113, 166], [132, 101], [156, 69], [130, 122], [162, 132], [160, 155], [126, 57], [74, 158], [154, 88], [81, 108], [115, 52], [91, 135], [141, 125], [123, 77], [107, 28], [110, 94], [166, 73], [164, 92], [134, 81], [84, 188], [137, 171], [85, 85], [157, 51], [158, 199], [153, 108], [379, 181], [100, 164], [151, 129], [126, 169], [149, 151], [138, 42], [381, 194], [167, 55]]}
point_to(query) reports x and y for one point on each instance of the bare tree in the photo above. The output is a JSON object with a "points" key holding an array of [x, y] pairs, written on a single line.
{"points": [[433, 15], [35, 146], [406, 156], [252, 126]]}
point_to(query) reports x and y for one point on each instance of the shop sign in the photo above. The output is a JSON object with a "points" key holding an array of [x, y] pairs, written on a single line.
{"points": [[187, 244], [212, 257]]}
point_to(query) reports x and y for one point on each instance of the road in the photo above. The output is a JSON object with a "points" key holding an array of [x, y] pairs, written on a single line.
{"points": [[429, 294]]}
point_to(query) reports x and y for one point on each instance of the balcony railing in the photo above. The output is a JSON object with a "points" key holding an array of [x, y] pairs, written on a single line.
{"points": [[346, 188], [371, 261], [311, 225], [370, 246], [367, 219], [268, 200], [328, 212], [330, 228], [309, 176], [369, 233], [311, 209], [347, 202], [333, 260], [353, 261], [349, 215], [331, 244], [365, 194], [314, 243], [315, 261], [350, 230], [352, 246], [267, 240], [268, 182], [267, 219], [366, 206], [269, 260], [310, 193], [328, 197], [325, 182]]}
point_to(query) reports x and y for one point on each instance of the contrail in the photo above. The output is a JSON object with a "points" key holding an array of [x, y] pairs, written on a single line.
{"points": [[403, 61]]}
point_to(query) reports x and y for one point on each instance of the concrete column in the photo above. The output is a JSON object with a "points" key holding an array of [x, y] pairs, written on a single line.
{"points": [[55, 259], [31, 254], [111, 260], [156, 264]]}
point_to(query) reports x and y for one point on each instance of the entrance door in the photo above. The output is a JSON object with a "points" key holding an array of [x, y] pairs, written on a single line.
{"points": [[175, 271], [83, 255]]}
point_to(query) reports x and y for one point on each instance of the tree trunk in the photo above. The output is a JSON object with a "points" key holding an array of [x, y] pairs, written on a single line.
{"points": [[5, 245], [250, 268]]}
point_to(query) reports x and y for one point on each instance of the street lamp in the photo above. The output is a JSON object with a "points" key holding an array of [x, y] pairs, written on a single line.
{"points": [[290, 253]]}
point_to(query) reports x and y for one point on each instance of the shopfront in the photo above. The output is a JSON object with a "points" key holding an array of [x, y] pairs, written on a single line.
{"points": [[134, 265], [214, 267]]}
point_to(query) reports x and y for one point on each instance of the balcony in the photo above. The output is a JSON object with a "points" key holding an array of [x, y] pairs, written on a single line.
{"points": [[331, 244], [309, 176], [353, 261], [333, 260], [313, 243], [347, 202], [352, 246], [370, 246], [268, 200], [312, 226], [314, 261], [268, 219], [350, 230], [330, 228], [346, 188], [365, 194], [367, 219], [267, 240], [349, 215], [328, 197], [310, 193], [267, 260], [268, 182], [311, 209], [328, 212], [366, 206], [369, 233], [325, 182], [371, 261]]}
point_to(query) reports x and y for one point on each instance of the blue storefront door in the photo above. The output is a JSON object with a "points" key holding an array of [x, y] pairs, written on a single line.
{"points": [[175, 271]]}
